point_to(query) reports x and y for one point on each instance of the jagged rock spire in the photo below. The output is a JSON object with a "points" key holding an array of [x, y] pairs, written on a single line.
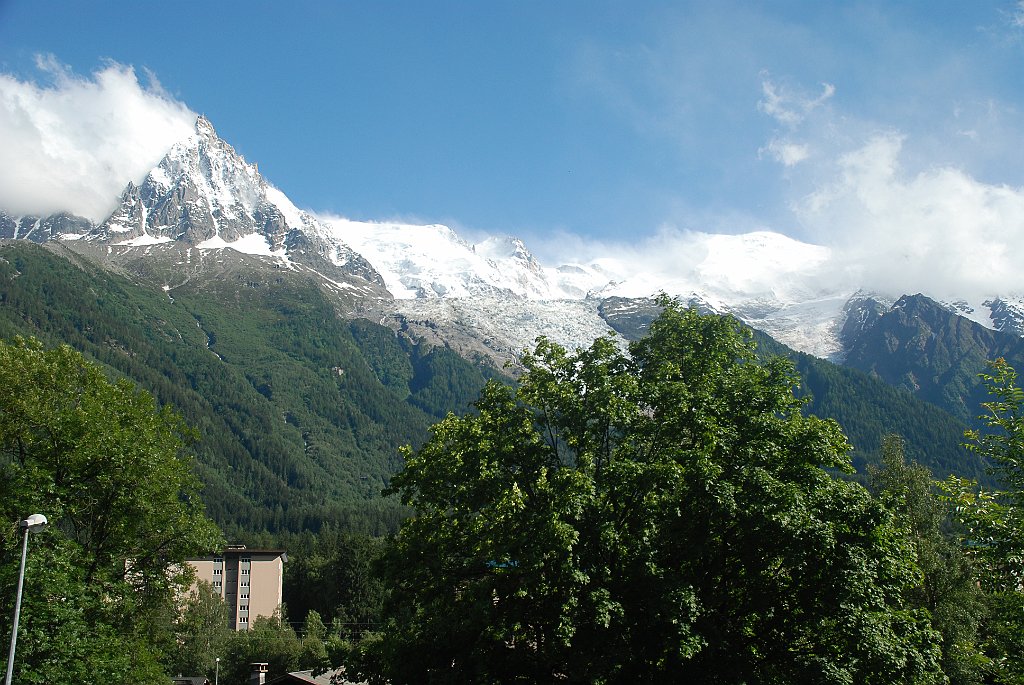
{"points": [[203, 194]]}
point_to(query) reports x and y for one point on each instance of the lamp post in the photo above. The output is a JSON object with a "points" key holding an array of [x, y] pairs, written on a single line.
{"points": [[216, 673], [32, 524]]}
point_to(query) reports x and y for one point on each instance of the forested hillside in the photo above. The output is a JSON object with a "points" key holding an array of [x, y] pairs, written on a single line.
{"points": [[869, 409], [299, 412]]}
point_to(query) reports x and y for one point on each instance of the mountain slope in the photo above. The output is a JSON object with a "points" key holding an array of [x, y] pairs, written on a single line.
{"points": [[923, 347], [867, 408], [297, 423], [272, 289]]}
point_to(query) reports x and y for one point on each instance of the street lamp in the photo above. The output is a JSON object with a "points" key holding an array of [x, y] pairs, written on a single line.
{"points": [[33, 523], [216, 673]]}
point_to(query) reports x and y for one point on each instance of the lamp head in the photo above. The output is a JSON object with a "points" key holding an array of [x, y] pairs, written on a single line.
{"points": [[34, 523]]}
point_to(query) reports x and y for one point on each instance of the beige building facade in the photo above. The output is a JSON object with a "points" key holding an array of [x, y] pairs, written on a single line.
{"points": [[251, 581]]}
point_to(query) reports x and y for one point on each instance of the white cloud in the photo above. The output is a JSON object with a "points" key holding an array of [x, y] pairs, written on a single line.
{"points": [[937, 230], [759, 265], [791, 108], [885, 224], [74, 143], [908, 209], [1017, 15], [785, 152], [788, 106]]}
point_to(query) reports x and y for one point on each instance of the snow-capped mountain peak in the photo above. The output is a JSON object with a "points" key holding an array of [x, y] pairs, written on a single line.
{"points": [[432, 261], [204, 195], [764, 278]]}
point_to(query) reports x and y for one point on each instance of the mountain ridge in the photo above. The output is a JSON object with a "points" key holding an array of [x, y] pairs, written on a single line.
{"points": [[206, 218], [204, 198]]}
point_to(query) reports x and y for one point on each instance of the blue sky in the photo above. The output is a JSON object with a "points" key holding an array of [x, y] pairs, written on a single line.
{"points": [[574, 122]]}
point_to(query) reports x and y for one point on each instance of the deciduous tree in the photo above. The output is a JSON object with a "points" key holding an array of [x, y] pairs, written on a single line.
{"points": [[200, 633], [666, 515], [948, 589], [993, 521], [107, 467]]}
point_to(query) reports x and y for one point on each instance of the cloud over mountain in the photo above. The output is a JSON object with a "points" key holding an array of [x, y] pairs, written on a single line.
{"points": [[73, 143], [936, 230]]}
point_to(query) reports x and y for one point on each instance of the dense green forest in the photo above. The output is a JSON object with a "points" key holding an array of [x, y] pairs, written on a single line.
{"points": [[299, 412], [869, 409]]}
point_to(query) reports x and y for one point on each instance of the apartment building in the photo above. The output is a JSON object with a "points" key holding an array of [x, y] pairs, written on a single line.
{"points": [[251, 581]]}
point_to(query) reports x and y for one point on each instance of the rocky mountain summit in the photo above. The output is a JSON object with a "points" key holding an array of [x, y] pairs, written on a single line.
{"points": [[41, 229], [204, 212]]}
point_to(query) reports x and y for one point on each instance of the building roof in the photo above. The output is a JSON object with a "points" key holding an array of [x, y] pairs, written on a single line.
{"points": [[235, 550], [308, 678]]}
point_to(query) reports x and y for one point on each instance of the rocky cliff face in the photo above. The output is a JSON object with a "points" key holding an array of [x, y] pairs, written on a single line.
{"points": [[1007, 314], [926, 348], [41, 229], [203, 196]]}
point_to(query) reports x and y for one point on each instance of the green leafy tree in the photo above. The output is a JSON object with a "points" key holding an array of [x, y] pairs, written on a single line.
{"points": [[1002, 443], [106, 466], [200, 632], [662, 516], [949, 588], [270, 640], [313, 654], [993, 521]]}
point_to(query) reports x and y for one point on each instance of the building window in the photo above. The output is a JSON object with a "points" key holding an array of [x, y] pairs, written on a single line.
{"points": [[243, 619], [216, 585], [244, 595], [246, 560], [244, 607], [245, 583], [218, 560], [245, 571]]}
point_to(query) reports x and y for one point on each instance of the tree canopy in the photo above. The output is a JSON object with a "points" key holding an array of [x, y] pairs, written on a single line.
{"points": [[949, 587], [992, 522], [107, 467], [662, 515]]}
